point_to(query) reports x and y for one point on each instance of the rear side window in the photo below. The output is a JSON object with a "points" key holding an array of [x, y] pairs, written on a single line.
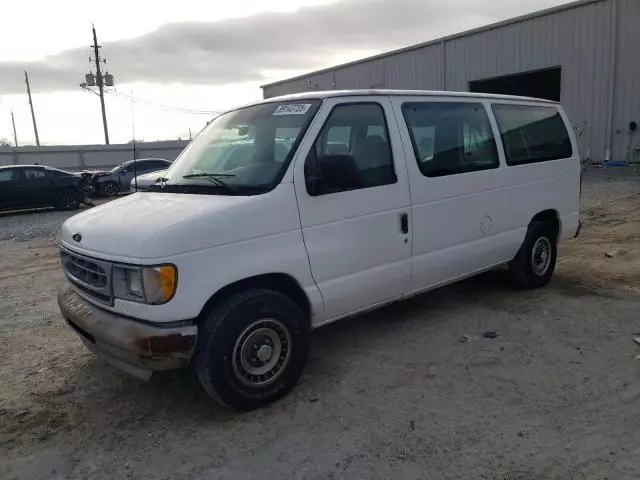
{"points": [[450, 138], [8, 174], [532, 134]]}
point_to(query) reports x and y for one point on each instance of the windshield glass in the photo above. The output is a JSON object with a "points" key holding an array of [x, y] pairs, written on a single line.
{"points": [[247, 149], [118, 168]]}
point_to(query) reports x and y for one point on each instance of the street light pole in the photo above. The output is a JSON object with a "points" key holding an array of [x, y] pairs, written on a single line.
{"points": [[99, 81]]}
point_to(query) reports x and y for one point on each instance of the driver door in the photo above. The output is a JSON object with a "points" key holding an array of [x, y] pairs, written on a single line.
{"points": [[356, 230]]}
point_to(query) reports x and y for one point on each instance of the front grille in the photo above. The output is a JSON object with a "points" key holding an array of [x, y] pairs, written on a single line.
{"points": [[91, 293], [90, 276], [86, 271]]}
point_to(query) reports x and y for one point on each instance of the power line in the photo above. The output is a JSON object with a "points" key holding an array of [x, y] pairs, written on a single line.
{"points": [[169, 108]]}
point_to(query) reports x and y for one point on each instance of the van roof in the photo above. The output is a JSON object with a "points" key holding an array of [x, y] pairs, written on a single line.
{"points": [[412, 93]]}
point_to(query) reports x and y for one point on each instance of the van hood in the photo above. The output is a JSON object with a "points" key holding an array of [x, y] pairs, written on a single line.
{"points": [[156, 225]]}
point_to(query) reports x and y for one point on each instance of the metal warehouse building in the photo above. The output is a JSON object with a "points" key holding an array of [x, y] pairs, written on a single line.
{"points": [[585, 54]]}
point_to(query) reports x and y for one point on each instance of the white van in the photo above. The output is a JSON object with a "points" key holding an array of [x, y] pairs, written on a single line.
{"points": [[297, 211]]}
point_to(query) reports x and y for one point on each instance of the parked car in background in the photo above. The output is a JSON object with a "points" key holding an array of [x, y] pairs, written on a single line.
{"points": [[31, 186], [111, 183], [143, 182]]}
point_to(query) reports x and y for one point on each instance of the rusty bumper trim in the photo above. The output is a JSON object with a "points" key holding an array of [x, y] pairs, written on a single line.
{"points": [[123, 341]]}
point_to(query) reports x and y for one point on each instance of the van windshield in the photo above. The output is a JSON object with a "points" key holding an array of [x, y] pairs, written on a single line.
{"points": [[245, 151]]}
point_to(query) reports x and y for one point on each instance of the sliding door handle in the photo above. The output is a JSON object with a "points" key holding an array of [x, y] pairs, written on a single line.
{"points": [[404, 223]]}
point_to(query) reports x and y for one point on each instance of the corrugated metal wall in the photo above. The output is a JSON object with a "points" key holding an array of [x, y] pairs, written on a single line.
{"points": [[582, 40], [578, 40], [627, 85]]}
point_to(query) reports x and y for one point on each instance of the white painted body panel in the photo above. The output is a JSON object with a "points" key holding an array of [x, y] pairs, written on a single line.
{"points": [[345, 250], [213, 240], [357, 252], [468, 223]]}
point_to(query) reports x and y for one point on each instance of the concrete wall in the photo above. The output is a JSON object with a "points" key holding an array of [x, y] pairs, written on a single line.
{"points": [[89, 157], [594, 41]]}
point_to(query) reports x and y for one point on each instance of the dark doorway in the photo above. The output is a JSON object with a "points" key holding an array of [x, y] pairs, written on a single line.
{"points": [[540, 84]]}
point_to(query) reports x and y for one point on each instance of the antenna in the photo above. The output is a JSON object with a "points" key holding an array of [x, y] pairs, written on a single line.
{"points": [[133, 131]]}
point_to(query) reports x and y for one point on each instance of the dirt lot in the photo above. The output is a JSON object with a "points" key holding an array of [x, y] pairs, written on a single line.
{"points": [[393, 394]]}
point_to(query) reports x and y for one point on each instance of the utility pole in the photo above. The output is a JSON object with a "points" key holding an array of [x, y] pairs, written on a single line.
{"points": [[33, 115], [15, 135], [100, 82]]}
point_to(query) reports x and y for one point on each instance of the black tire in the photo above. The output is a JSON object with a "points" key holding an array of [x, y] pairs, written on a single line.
{"points": [[67, 199], [225, 348], [110, 189], [535, 262]]}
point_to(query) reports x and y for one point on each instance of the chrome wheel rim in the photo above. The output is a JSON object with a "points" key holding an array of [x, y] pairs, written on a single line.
{"points": [[261, 352], [541, 256], [109, 190]]}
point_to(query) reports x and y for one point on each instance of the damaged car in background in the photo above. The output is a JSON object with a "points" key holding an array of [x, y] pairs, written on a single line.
{"points": [[35, 186], [117, 180]]}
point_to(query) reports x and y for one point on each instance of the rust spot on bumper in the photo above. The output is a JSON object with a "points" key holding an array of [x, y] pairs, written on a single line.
{"points": [[136, 344], [174, 343]]}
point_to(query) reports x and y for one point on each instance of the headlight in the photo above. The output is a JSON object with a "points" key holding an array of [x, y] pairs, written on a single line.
{"points": [[152, 285]]}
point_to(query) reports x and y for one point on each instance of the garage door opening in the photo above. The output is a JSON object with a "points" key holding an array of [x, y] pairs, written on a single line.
{"points": [[540, 84]]}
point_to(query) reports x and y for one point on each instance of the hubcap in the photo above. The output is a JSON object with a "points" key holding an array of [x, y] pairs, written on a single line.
{"points": [[541, 256], [262, 352]]}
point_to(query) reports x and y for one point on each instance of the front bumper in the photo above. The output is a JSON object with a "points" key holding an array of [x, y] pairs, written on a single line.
{"points": [[137, 348]]}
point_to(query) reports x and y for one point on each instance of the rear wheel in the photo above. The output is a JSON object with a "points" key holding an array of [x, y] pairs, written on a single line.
{"points": [[110, 189], [68, 199], [252, 349], [535, 262]]}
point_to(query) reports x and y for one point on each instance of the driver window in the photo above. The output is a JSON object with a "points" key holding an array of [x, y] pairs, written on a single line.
{"points": [[351, 152]]}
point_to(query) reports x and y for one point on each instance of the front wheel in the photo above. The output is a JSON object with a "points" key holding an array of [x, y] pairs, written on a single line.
{"points": [[252, 349], [535, 262], [68, 199], [110, 189]]}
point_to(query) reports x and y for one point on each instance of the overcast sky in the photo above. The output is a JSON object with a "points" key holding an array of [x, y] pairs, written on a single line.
{"points": [[197, 55]]}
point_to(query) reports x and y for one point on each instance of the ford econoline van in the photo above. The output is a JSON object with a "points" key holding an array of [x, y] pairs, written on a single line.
{"points": [[293, 212]]}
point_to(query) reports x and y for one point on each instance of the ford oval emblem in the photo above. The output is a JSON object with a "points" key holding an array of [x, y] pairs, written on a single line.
{"points": [[77, 237]]}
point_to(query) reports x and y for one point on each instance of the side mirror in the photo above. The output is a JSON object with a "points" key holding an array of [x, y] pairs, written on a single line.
{"points": [[125, 171], [332, 173]]}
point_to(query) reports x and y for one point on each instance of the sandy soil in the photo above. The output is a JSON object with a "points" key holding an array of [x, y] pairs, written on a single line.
{"points": [[393, 394]]}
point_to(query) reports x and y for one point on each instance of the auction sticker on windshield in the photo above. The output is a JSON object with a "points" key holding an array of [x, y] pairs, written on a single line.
{"points": [[292, 109]]}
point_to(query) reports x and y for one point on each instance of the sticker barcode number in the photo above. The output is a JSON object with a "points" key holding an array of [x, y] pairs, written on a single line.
{"points": [[292, 109]]}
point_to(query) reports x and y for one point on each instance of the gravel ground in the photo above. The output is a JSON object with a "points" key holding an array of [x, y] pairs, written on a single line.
{"points": [[393, 394], [31, 224]]}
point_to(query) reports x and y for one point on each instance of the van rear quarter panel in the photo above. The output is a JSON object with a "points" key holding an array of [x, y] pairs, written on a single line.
{"points": [[468, 222], [536, 187]]}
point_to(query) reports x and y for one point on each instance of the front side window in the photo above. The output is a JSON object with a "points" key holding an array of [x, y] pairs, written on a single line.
{"points": [[245, 151], [34, 173], [450, 138], [532, 134], [351, 152]]}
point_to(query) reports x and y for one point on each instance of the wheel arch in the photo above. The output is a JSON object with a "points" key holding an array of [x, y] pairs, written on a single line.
{"points": [[551, 217], [278, 282]]}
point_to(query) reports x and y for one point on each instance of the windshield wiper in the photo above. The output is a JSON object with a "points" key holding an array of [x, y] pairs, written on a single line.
{"points": [[202, 175], [215, 178]]}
